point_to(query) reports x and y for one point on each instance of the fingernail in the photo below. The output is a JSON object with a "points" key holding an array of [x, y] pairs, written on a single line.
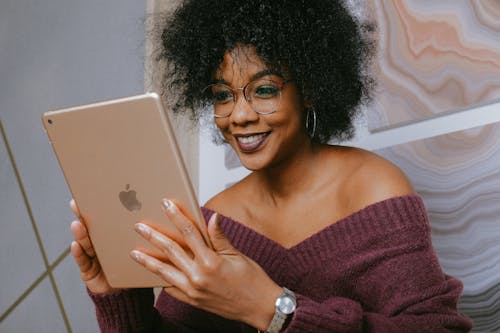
{"points": [[217, 220], [167, 205], [136, 255], [141, 228]]}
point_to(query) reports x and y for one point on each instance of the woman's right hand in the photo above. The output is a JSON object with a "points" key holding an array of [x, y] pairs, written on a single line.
{"points": [[85, 257]]}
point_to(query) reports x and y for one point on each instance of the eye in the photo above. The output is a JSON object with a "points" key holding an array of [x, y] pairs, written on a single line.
{"points": [[222, 95], [265, 90]]}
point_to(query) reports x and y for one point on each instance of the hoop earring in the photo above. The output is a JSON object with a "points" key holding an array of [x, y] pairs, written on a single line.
{"points": [[310, 131]]}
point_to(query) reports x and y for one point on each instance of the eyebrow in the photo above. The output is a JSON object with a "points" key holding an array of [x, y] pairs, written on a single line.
{"points": [[256, 76]]}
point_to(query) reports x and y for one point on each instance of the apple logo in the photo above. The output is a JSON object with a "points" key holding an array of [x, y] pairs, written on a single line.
{"points": [[129, 200]]}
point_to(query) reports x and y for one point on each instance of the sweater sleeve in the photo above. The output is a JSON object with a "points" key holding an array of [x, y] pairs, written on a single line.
{"points": [[126, 311], [133, 310], [392, 280], [337, 314]]}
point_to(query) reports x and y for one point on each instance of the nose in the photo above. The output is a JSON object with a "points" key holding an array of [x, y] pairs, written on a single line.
{"points": [[243, 111]]}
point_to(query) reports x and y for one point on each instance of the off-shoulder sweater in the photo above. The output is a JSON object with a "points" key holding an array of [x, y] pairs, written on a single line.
{"points": [[372, 271]]}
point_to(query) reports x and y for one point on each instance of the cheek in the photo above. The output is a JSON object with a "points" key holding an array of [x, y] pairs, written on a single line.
{"points": [[294, 129], [294, 110], [221, 124], [291, 121]]}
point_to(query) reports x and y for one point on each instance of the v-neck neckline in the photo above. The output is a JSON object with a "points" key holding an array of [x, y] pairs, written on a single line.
{"points": [[325, 232]]}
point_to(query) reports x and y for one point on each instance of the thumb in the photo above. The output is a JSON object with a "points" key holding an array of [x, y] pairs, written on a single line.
{"points": [[218, 239]]}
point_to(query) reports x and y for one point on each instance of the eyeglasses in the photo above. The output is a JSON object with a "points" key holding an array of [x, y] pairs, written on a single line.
{"points": [[263, 94]]}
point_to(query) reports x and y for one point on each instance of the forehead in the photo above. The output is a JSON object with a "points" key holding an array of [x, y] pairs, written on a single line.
{"points": [[240, 64]]}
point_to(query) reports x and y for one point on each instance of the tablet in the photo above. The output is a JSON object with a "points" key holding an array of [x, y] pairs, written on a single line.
{"points": [[120, 159]]}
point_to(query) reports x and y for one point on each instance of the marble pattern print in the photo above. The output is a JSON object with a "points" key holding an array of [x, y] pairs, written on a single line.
{"points": [[434, 57], [458, 176]]}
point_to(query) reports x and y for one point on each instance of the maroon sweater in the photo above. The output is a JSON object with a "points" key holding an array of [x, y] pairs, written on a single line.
{"points": [[373, 271]]}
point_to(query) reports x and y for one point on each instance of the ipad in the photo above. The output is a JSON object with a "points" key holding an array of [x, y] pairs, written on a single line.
{"points": [[120, 159]]}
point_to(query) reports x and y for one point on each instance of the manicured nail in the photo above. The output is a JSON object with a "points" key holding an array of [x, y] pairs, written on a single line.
{"points": [[217, 220], [167, 205], [141, 228], [136, 255]]}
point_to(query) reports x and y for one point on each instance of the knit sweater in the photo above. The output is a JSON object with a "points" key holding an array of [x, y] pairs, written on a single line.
{"points": [[372, 271]]}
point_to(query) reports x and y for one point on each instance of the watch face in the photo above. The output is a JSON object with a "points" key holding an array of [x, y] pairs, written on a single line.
{"points": [[286, 304]]}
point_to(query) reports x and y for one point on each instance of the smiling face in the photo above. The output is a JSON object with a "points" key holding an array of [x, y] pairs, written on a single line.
{"points": [[260, 140]]}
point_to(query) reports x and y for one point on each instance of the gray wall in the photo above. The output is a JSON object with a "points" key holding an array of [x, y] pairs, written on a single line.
{"points": [[53, 54]]}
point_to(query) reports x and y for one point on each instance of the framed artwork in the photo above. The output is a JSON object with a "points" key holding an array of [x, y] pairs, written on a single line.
{"points": [[434, 57]]}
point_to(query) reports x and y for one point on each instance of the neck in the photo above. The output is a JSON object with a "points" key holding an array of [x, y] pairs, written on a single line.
{"points": [[294, 175]]}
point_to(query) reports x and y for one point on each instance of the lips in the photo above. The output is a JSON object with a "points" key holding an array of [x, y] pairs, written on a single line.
{"points": [[250, 143]]}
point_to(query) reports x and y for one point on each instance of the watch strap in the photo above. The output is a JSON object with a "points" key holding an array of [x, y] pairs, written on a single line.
{"points": [[279, 317], [277, 323]]}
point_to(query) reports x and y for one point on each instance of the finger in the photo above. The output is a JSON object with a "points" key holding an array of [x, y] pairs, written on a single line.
{"points": [[182, 209], [219, 240], [173, 251], [81, 235], [202, 228], [82, 260], [74, 208], [190, 233], [177, 282], [169, 273]]}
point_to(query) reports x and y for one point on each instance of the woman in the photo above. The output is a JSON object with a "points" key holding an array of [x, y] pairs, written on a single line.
{"points": [[317, 238]]}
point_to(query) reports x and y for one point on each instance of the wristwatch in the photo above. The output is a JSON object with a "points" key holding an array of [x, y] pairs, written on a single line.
{"points": [[284, 307]]}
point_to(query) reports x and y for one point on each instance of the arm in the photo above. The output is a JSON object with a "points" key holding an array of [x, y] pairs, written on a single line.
{"points": [[437, 314], [392, 283], [126, 311], [132, 310]]}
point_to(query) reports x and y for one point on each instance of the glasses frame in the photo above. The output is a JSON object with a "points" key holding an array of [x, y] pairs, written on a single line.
{"points": [[281, 84]]}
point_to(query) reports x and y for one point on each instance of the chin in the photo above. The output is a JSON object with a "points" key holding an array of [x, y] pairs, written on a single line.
{"points": [[252, 163], [259, 159]]}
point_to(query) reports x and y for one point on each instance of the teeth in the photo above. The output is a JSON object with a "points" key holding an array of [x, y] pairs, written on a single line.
{"points": [[250, 139]]}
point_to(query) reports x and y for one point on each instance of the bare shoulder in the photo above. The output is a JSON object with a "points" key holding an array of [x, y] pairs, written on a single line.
{"points": [[225, 202], [219, 200], [371, 178]]}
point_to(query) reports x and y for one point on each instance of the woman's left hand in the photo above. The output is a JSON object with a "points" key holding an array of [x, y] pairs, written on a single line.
{"points": [[220, 280]]}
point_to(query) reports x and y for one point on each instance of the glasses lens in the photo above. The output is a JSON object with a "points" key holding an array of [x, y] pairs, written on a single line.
{"points": [[222, 99], [264, 95]]}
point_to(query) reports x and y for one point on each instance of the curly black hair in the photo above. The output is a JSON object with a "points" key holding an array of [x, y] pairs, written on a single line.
{"points": [[320, 43]]}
